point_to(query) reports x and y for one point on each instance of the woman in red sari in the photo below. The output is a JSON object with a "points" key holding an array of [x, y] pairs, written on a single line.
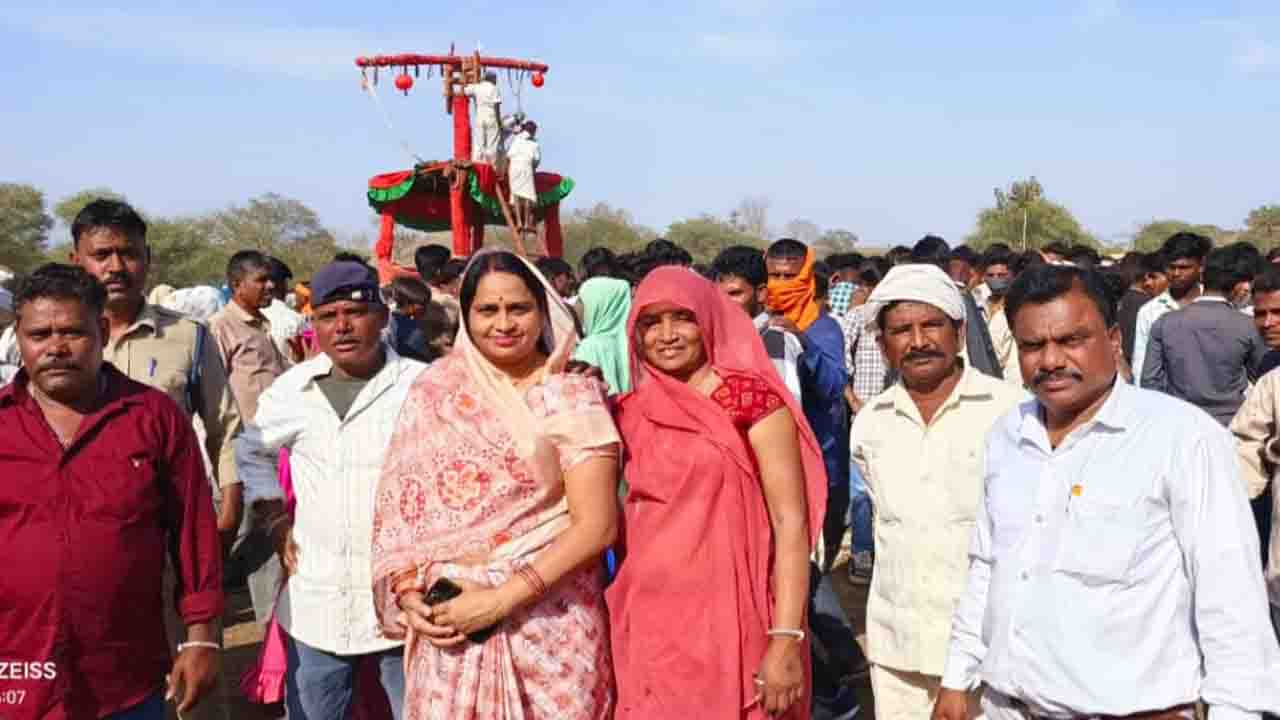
{"points": [[502, 479], [727, 492]]}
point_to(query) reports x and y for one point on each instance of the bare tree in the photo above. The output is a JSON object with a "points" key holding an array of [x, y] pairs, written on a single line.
{"points": [[802, 230], [751, 217]]}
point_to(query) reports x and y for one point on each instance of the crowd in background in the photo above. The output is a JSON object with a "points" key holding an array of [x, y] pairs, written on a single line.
{"points": [[511, 488]]}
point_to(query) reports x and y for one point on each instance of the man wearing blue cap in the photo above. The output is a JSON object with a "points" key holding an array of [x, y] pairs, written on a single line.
{"points": [[335, 414]]}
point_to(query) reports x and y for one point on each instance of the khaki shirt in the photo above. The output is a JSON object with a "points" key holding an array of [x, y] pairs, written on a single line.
{"points": [[925, 482], [1006, 347], [158, 350], [1256, 427], [251, 357]]}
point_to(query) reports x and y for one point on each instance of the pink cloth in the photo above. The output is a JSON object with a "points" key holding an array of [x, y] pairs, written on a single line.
{"points": [[475, 471], [691, 603], [263, 683]]}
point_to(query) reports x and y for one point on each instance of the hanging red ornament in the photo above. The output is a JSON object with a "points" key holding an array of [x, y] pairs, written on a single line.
{"points": [[537, 79], [404, 82]]}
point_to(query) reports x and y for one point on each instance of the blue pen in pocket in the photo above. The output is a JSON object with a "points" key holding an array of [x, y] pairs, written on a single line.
{"points": [[151, 371]]}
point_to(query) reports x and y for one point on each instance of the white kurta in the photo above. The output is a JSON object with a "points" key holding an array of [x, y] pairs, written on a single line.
{"points": [[925, 480], [487, 97], [522, 158], [488, 124]]}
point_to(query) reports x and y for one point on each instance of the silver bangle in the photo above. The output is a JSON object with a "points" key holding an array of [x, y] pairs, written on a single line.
{"points": [[782, 632], [199, 643]]}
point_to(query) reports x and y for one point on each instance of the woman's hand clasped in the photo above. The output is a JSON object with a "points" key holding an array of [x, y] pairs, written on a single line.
{"points": [[477, 608], [780, 680], [416, 615], [448, 623]]}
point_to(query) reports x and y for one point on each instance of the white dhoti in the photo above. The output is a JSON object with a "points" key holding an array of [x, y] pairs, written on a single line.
{"points": [[522, 159], [520, 178]]}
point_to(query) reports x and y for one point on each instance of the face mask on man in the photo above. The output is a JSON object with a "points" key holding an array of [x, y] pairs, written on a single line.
{"points": [[999, 286]]}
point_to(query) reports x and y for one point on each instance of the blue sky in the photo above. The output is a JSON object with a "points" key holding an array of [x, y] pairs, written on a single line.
{"points": [[890, 119]]}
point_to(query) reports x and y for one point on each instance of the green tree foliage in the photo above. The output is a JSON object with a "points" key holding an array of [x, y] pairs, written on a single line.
{"points": [[67, 208], [707, 235], [1152, 235], [181, 254], [602, 226], [1045, 220], [835, 241], [276, 225], [1263, 227], [267, 222], [24, 226]]}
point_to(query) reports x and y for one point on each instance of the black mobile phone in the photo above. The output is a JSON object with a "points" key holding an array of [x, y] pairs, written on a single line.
{"points": [[443, 589], [446, 589]]}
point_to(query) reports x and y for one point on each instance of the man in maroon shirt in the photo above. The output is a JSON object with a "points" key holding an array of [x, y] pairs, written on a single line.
{"points": [[99, 476]]}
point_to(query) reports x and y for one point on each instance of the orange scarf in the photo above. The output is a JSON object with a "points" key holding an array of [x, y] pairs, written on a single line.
{"points": [[794, 298], [303, 294]]}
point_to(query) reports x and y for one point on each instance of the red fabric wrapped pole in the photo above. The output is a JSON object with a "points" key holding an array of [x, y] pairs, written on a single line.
{"points": [[459, 203], [551, 223]]}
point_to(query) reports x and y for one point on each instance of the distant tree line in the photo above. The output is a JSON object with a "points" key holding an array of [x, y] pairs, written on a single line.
{"points": [[191, 250]]}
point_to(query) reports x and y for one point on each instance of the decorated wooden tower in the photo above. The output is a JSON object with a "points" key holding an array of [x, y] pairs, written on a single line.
{"points": [[465, 193]]}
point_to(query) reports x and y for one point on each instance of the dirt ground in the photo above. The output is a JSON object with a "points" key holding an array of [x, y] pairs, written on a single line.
{"points": [[243, 638]]}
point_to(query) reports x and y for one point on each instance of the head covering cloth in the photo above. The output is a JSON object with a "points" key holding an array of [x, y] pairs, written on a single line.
{"points": [[915, 282], [796, 298], [606, 303], [304, 299]]}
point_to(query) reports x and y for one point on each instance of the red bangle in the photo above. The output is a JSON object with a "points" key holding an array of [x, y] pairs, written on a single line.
{"points": [[531, 576]]}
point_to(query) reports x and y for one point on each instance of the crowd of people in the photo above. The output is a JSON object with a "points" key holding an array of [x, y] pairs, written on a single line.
{"points": [[510, 489]]}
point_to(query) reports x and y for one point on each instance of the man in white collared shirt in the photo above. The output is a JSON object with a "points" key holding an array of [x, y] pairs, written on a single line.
{"points": [[1113, 566], [287, 324], [335, 413], [919, 446]]}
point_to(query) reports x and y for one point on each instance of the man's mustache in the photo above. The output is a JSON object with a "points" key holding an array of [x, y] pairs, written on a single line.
{"points": [[1044, 375], [57, 365], [922, 355], [118, 278]]}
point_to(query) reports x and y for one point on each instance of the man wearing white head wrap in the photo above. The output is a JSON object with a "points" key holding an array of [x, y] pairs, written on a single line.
{"points": [[920, 447], [917, 283]]}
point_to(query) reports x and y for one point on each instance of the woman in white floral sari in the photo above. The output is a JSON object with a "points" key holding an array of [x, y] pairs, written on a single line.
{"points": [[501, 479]]}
